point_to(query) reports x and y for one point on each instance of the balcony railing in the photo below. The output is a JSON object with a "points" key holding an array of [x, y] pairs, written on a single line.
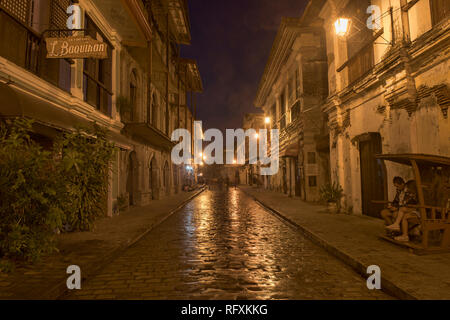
{"points": [[26, 48]]}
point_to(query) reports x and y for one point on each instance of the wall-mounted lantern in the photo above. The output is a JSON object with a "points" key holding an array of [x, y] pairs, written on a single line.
{"points": [[342, 26]]}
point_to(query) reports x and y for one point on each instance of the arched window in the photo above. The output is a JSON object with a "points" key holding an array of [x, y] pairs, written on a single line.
{"points": [[153, 178], [166, 176], [132, 177], [175, 175], [154, 111], [133, 95]]}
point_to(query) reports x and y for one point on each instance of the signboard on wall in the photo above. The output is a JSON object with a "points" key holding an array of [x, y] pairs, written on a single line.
{"points": [[76, 48]]}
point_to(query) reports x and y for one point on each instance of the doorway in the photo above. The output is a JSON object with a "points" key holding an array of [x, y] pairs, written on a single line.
{"points": [[166, 178], [373, 174], [298, 179], [153, 175], [132, 180]]}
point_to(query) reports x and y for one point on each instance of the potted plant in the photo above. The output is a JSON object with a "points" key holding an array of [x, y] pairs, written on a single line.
{"points": [[332, 194], [122, 203]]}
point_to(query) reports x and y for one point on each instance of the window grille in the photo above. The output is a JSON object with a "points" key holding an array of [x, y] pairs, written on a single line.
{"points": [[20, 9]]}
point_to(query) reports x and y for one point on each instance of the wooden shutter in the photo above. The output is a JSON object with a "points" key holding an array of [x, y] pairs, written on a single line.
{"points": [[440, 9], [14, 37], [20, 9], [58, 14], [359, 41]]}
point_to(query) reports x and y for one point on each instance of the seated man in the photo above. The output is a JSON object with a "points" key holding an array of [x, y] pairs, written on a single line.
{"points": [[389, 214], [405, 213]]}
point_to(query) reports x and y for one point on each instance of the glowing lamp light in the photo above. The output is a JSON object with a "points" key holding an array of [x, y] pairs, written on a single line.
{"points": [[204, 157], [267, 120], [256, 136], [200, 154], [342, 26], [234, 161]]}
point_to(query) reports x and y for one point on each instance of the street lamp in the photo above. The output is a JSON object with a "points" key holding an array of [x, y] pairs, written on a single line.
{"points": [[342, 26]]}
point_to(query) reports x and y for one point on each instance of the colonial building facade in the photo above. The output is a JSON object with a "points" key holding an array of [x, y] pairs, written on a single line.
{"points": [[140, 93], [291, 91], [388, 78], [249, 174]]}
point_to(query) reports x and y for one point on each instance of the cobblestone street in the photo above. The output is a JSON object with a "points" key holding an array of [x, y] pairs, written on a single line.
{"points": [[223, 245]]}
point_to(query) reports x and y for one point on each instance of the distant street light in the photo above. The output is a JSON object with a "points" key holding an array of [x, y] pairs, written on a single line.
{"points": [[342, 26]]}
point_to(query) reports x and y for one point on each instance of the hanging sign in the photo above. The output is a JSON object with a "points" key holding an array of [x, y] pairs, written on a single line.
{"points": [[76, 48]]}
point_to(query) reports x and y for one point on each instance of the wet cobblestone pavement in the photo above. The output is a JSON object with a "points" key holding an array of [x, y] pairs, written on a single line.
{"points": [[223, 245]]}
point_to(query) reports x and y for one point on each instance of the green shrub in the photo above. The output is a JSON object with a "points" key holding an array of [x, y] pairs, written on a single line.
{"points": [[84, 165], [42, 191], [29, 206], [331, 192]]}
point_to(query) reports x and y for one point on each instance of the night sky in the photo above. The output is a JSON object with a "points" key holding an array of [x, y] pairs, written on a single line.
{"points": [[231, 41]]}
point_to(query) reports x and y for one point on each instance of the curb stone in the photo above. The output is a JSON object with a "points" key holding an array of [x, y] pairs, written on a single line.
{"points": [[60, 290], [360, 267]]}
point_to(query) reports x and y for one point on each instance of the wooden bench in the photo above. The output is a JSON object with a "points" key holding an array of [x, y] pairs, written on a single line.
{"points": [[433, 218]]}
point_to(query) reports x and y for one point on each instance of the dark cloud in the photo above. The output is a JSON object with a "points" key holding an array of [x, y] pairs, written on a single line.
{"points": [[231, 40]]}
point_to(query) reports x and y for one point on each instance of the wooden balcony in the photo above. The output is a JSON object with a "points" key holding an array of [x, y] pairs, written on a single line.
{"points": [[27, 49]]}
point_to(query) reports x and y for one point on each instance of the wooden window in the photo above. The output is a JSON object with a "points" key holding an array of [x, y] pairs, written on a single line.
{"points": [[14, 39], [133, 96], [440, 10], [20, 9], [24, 45], [58, 14], [311, 158], [359, 41], [98, 74], [57, 71], [360, 64], [155, 111], [312, 181]]}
